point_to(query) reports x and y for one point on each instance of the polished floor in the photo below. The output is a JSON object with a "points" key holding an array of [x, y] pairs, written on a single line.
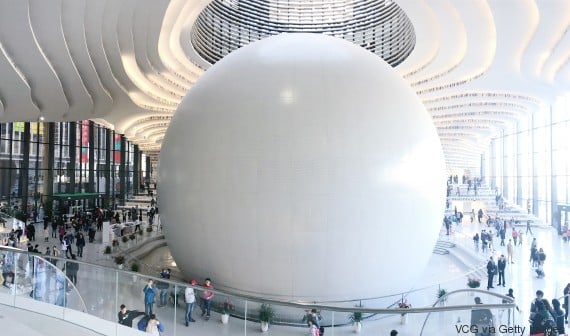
{"points": [[442, 272]]}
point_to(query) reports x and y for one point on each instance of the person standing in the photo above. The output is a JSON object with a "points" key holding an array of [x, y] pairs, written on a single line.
{"points": [[528, 229], [60, 285], [207, 296], [491, 270], [515, 235], [80, 243], [163, 287], [190, 298], [511, 295], [510, 250], [558, 315], [71, 270], [501, 265], [481, 318], [566, 302], [54, 253], [149, 292]]}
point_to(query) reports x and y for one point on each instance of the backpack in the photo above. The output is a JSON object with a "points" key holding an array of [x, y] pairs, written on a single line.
{"points": [[141, 325]]}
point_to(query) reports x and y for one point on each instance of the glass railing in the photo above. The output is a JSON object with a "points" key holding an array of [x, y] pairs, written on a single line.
{"points": [[90, 295]]}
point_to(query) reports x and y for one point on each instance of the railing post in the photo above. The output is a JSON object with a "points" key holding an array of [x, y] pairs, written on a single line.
{"points": [[332, 322], [116, 297], [245, 319], [175, 306]]}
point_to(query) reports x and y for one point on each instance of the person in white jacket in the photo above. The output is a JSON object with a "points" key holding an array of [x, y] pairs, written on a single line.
{"points": [[190, 298], [154, 327], [313, 330]]}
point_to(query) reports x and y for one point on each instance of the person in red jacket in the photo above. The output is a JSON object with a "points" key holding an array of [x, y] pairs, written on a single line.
{"points": [[207, 296]]}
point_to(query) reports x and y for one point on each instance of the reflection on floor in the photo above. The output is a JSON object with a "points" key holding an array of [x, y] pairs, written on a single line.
{"points": [[441, 272]]}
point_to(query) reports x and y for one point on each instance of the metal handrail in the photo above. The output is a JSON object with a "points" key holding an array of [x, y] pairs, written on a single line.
{"points": [[47, 262], [509, 305], [298, 304]]}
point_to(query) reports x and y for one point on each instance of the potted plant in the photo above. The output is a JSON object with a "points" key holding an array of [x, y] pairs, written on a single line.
{"points": [[120, 260], [125, 239], [473, 282], [115, 243], [441, 295], [135, 268], [227, 309], [356, 319], [266, 316], [107, 250], [149, 229]]}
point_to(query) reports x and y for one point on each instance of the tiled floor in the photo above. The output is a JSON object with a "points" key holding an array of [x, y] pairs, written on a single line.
{"points": [[442, 271]]}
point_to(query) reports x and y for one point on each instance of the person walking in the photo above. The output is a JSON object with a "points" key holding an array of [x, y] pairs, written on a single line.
{"points": [[510, 250], [190, 298], [528, 229], [80, 243]]}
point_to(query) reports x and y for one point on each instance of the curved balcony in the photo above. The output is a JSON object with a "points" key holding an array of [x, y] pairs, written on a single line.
{"points": [[379, 26], [101, 290]]}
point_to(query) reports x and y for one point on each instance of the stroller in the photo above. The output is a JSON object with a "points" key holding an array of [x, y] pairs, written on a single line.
{"points": [[539, 272]]}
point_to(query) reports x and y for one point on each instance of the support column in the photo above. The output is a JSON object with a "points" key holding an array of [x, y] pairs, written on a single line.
{"points": [[148, 170], [136, 169], [554, 219], [25, 168], [482, 168], [48, 165], [493, 180], [122, 171], [10, 134], [534, 195], [504, 169], [518, 164], [72, 157], [91, 181], [108, 151]]}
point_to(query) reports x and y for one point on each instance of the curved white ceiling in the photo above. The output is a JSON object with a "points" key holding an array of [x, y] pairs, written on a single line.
{"points": [[479, 66]]}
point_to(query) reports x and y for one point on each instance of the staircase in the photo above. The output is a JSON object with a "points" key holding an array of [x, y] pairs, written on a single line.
{"points": [[442, 247], [486, 196]]}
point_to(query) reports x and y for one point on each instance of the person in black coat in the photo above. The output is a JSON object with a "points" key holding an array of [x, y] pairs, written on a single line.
{"points": [[126, 317], [491, 270], [501, 265], [71, 269], [558, 315], [80, 243]]}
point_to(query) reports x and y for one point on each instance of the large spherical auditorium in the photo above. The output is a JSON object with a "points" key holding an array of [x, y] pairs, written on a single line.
{"points": [[287, 149], [302, 147]]}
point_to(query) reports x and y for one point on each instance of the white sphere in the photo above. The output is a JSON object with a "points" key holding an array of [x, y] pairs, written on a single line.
{"points": [[302, 166]]}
